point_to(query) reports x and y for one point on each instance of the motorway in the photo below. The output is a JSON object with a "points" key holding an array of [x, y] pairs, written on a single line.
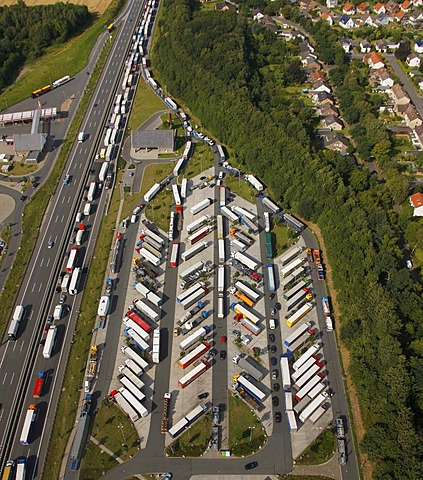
{"points": [[19, 360]]}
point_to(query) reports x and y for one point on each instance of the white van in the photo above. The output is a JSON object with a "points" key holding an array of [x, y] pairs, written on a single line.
{"points": [[58, 310], [79, 217], [133, 218], [81, 137], [272, 323], [221, 175], [87, 208], [136, 210]]}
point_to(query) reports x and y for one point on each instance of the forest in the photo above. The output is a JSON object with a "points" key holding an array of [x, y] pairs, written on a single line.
{"points": [[26, 32], [221, 68]]}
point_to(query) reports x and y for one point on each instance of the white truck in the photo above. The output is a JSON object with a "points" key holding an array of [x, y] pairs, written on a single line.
{"points": [[51, 337], [246, 260], [81, 137], [91, 191], [103, 171], [58, 310], [14, 324], [87, 209], [221, 280], [254, 182], [152, 192], [200, 206]]}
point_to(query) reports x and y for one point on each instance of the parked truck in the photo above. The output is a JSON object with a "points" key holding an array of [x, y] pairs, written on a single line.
{"points": [[145, 309], [199, 234], [191, 252], [246, 260], [221, 280], [194, 297], [326, 306], [241, 237], [194, 337], [152, 192], [192, 227], [249, 365], [193, 374], [269, 204], [200, 206], [254, 182]]}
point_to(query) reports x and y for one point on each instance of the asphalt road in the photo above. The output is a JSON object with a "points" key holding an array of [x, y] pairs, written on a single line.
{"points": [[17, 369]]}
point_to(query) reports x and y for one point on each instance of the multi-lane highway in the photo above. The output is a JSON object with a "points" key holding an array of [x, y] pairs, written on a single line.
{"points": [[20, 360]]}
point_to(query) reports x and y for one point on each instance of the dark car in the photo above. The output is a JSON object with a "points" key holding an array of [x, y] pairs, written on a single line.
{"points": [[57, 289], [272, 296], [275, 401], [223, 354], [278, 305], [278, 417], [273, 311], [273, 348], [23, 198], [271, 337], [276, 387], [273, 361], [251, 465], [62, 276], [212, 352], [203, 395]]}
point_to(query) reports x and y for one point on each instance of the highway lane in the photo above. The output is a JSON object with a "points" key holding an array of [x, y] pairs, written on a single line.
{"points": [[35, 290]]}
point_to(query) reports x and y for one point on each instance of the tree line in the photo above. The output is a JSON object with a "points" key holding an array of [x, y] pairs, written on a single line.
{"points": [[26, 32], [213, 62]]}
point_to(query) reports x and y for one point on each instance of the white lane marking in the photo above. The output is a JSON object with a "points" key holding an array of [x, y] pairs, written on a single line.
{"points": [[57, 218], [33, 288], [42, 261], [4, 379], [39, 289], [11, 380], [22, 345], [48, 262]]}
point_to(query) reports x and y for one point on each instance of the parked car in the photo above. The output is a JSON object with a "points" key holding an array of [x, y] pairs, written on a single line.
{"points": [[272, 296], [271, 337], [223, 354], [274, 374], [276, 387], [203, 395], [278, 417], [273, 311], [275, 401], [278, 305], [273, 348], [273, 361], [251, 465]]}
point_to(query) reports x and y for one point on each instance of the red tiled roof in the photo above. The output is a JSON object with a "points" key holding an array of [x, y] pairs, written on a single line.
{"points": [[417, 200]]}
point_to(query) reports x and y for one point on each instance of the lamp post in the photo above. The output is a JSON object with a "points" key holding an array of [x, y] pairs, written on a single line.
{"points": [[120, 427]]}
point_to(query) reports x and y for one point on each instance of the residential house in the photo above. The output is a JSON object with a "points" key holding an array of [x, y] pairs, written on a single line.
{"points": [[258, 14], [391, 7], [418, 46], [413, 60], [415, 73], [384, 78], [412, 117], [392, 45], [224, 6], [346, 22], [383, 19], [374, 60], [362, 8], [416, 16], [306, 47], [322, 86], [416, 201], [379, 8], [327, 17], [305, 4], [419, 134], [331, 3], [328, 109], [406, 6], [399, 16], [323, 97], [347, 45], [317, 75], [367, 19], [365, 46], [381, 46], [399, 95], [349, 9], [335, 141], [312, 64], [332, 122]]}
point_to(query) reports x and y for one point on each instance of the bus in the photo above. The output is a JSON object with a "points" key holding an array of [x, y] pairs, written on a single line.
{"points": [[29, 419], [41, 91]]}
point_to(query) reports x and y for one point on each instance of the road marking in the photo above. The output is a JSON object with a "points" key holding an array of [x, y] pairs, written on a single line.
{"points": [[63, 199], [80, 166], [42, 261], [11, 380], [69, 199], [33, 288], [90, 124], [48, 262], [22, 345], [95, 124], [40, 287], [57, 218], [4, 355], [4, 379], [63, 218]]}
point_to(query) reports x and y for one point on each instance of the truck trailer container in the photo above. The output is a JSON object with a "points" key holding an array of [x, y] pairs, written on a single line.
{"points": [[126, 406], [295, 275], [267, 226], [191, 252], [50, 339], [79, 236], [150, 257], [178, 168], [286, 376], [192, 227], [184, 188], [199, 234], [91, 191], [311, 407], [250, 366], [245, 312], [155, 354], [145, 309], [326, 306], [133, 367], [303, 391], [139, 321], [189, 292], [271, 283], [74, 281], [238, 245], [148, 246], [299, 314], [174, 255], [306, 377], [65, 283], [30, 416], [244, 298], [193, 355], [251, 389], [250, 326], [221, 250], [306, 355], [292, 422], [141, 289], [200, 206], [247, 290], [319, 388], [175, 192], [302, 404], [72, 259], [269, 204], [131, 387], [303, 369], [193, 374], [103, 172], [150, 234], [288, 399], [241, 237], [132, 354], [287, 269], [133, 401], [297, 334], [129, 323], [136, 338], [222, 196], [14, 324], [231, 216], [20, 469], [170, 103], [318, 413], [152, 192], [254, 182], [187, 150], [269, 245], [292, 291], [195, 297], [37, 392], [251, 227], [220, 307], [239, 211], [246, 260], [191, 270], [221, 280], [220, 230], [178, 428]]}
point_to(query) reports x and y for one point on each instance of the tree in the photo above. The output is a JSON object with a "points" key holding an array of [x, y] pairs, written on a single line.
{"points": [[403, 50]]}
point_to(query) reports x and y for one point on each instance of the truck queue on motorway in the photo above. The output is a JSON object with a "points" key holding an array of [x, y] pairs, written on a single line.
{"points": [[241, 278]]}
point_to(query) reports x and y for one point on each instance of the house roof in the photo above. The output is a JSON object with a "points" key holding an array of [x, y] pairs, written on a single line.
{"points": [[323, 96], [328, 109], [375, 58], [383, 74], [378, 6], [24, 142], [349, 7], [334, 137], [344, 19], [221, 5], [411, 113], [398, 91], [412, 56], [319, 83], [153, 139], [362, 7], [417, 200], [405, 5], [318, 75], [330, 120]]}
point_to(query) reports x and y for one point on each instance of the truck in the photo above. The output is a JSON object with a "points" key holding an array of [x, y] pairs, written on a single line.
{"points": [[317, 257], [36, 393], [124, 370], [231, 216], [174, 255], [175, 192], [195, 297], [125, 405], [139, 321], [288, 399], [193, 355], [292, 291], [304, 368], [132, 354], [81, 137], [193, 374], [92, 362], [267, 226], [187, 316], [136, 338], [329, 324], [221, 249], [297, 334], [246, 260], [194, 337], [286, 376], [249, 365], [131, 387], [184, 186], [319, 388], [65, 283], [222, 196], [241, 237], [141, 289], [326, 306], [244, 270], [220, 152], [271, 284], [254, 182], [307, 376], [155, 355], [149, 257], [199, 234], [30, 416], [189, 292], [299, 314], [292, 222], [91, 191], [8, 470], [298, 298], [134, 402], [311, 407], [87, 208], [165, 412], [17, 316], [80, 235], [250, 326], [187, 150], [251, 227], [196, 224], [170, 103], [103, 306], [73, 284], [57, 313], [287, 269], [305, 389], [200, 206], [152, 192], [134, 367], [314, 417], [292, 422], [221, 280], [244, 298], [103, 172], [269, 204], [73, 256], [191, 252], [191, 270], [238, 245], [144, 308], [250, 388], [245, 312], [243, 212], [247, 290], [220, 307], [290, 254], [269, 245], [312, 351], [129, 323], [149, 234], [51, 337]]}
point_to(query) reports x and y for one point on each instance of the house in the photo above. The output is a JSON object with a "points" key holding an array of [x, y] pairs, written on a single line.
{"points": [[322, 86], [392, 45], [413, 60], [224, 6], [406, 6], [415, 73], [412, 117], [416, 201], [332, 122], [416, 16], [347, 45], [312, 64], [365, 46], [381, 46], [367, 19], [384, 78], [418, 46], [327, 18], [328, 109], [383, 19], [306, 47], [258, 14], [379, 8], [362, 8], [419, 134], [317, 75], [323, 97], [399, 95], [336, 141], [346, 22], [399, 16], [391, 6], [331, 3], [374, 60], [349, 9]]}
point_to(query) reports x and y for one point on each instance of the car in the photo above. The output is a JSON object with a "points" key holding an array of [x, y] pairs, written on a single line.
{"points": [[273, 311], [50, 244], [272, 323], [211, 142], [273, 348], [237, 333], [131, 174], [251, 465], [272, 296], [100, 186], [23, 198], [271, 337], [223, 339], [166, 476], [203, 178], [221, 175], [2, 244], [278, 417], [273, 361], [222, 354], [203, 395], [212, 352], [275, 401], [276, 387], [409, 264], [62, 298], [67, 179], [57, 289], [278, 305], [274, 374], [50, 319]]}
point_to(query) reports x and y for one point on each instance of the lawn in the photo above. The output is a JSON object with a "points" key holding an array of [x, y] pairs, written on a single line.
{"points": [[202, 159], [146, 103], [241, 188], [68, 59], [284, 237], [208, 6], [155, 173], [320, 451], [116, 432], [303, 477], [246, 434], [158, 210], [194, 441], [21, 169]]}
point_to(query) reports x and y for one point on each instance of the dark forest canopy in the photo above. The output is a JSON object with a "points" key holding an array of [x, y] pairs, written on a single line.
{"points": [[25, 33], [214, 63]]}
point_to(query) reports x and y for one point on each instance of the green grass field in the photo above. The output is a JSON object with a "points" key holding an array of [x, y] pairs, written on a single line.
{"points": [[194, 441], [202, 159], [241, 188], [320, 451], [146, 103], [155, 173], [284, 237]]}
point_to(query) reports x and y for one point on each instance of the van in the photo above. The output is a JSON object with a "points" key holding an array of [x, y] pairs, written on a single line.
{"points": [[133, 218], [221, 175], [87, 208], [272, 323], [136, 210], [58, 310], [81, 136], [79, 217], [87, 386]]}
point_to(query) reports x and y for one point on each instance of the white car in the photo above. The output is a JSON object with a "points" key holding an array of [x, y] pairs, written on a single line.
{"points": [[409, 264]]}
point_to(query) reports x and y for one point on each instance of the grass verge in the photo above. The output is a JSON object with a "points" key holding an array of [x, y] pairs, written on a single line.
{"points": [[194, 441], [155, 173], [241, 188], [113, 430], [67, 406], [303, 477], [202, 159], [158, 210], [37, 205], [246, 434], [146, 104], [68, 59], [320, 451], [283, 236], [5, 235]]}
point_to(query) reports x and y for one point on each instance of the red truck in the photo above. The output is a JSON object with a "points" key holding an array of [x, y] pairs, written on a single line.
{"points": [[38, 385]]}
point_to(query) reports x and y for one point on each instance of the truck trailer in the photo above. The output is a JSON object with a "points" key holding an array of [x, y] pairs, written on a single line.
{"points": [[254, 182], [246, 260], [133, 355], [152, 192], [192, 227], [191, 270], [191, 252], [193, 374], [145, 309], [250, 366], [200, 206], [245, 312], [199, 234], [251, 389], [299, 314], [247, 290], [193, 355]]}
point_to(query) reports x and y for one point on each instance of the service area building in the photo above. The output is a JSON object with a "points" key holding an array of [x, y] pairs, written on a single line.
{"points": [[147, 140]]}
